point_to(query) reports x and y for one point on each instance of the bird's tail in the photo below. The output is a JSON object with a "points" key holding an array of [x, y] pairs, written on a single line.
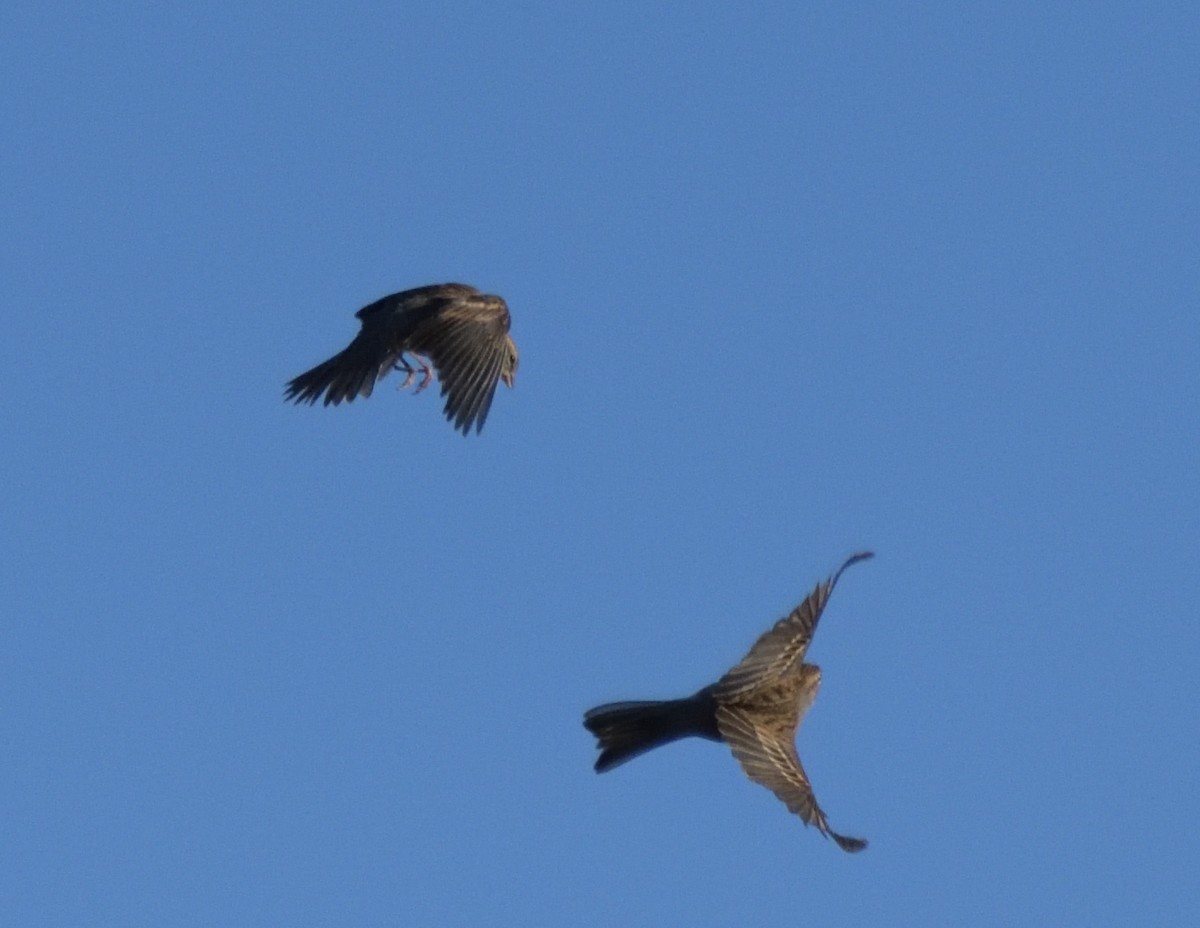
{"points": [[349, 373], [626, 729]]}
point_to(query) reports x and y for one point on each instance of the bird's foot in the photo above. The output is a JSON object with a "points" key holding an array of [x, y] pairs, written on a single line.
{"points": [[408, 370], [426, 374]]}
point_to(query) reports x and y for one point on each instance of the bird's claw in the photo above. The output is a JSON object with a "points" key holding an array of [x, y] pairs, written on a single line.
{"points": [[410, 373]]}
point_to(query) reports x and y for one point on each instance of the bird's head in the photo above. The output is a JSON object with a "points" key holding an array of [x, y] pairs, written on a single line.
{"points": [[508, 367]]}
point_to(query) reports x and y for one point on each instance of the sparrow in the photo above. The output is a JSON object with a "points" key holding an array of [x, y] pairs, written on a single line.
{"points": [[755, 708], [463, 332]]}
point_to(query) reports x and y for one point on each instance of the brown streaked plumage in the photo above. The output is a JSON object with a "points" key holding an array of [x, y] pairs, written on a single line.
{"points": [[756, 708], [462, 331]]}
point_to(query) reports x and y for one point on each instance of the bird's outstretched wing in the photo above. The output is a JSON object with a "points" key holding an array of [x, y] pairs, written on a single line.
{"points": [[768, 755], [387, 324], [349, 373], [785, 645], [468, 343]]}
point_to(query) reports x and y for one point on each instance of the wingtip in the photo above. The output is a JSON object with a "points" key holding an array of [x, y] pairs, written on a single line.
{"points": [[296, 395], [848, 844], [851, 560]]}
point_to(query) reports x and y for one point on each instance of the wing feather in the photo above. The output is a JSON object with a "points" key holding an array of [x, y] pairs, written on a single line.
{"points": [[768, 756], [466, 343], [386, 326], [784, 646]]}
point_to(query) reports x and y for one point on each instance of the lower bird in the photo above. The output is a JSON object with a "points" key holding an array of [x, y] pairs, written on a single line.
{"points": [[462, 331], [755, 708]]}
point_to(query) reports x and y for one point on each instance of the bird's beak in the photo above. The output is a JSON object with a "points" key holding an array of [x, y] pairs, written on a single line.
{"points": [[508, 377]]}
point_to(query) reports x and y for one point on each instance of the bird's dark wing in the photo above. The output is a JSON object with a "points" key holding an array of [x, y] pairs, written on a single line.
{"points": [[784, 646], [768, 755], [386, 326], [349, 373], [466, 341]]}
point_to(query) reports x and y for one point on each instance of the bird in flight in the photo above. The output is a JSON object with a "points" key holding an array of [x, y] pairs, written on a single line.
{"points": [[755, 708], [463, 332]]}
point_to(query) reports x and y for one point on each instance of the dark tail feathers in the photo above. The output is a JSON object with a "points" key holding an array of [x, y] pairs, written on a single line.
{"points": [[626, 729]]}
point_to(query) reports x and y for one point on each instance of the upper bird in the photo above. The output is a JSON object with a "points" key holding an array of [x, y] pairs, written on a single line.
{"points": [[756, 709], [462, 331]]}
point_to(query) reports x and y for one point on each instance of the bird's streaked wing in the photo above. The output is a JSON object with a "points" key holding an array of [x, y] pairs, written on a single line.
{"points": [[466, 343], [768, 756], [785, 645]]}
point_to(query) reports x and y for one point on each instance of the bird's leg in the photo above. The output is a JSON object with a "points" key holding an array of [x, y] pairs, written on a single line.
{"points": [[407, 369], [410, 372], [426, 374]]}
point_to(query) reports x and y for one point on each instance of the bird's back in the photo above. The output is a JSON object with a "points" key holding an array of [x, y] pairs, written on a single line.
{"points": [[409, 308]]}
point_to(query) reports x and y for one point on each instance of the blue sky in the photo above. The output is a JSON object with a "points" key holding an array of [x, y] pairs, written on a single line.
{"points": [[787, 283]]}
